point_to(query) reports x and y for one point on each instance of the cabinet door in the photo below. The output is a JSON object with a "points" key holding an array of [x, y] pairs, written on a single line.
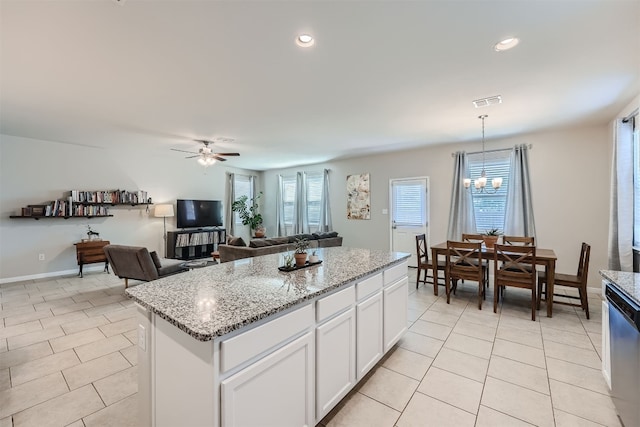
{"points": [[369, 336], [395, 312], [335, 361], [275, 391]]}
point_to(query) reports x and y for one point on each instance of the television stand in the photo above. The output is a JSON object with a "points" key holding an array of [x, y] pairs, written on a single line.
{"points": [[194, 243]]}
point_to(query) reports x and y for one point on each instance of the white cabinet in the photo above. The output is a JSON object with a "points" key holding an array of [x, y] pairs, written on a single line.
{"points": [[335, 361], [275, 391], [369, 334], [395, 312]]}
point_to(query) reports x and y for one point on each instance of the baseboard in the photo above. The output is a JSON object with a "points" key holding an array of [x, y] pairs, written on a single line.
{"points": [[50, 274]]}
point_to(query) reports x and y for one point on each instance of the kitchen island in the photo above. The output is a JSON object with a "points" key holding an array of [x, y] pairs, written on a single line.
{"points": [[241, 343]]}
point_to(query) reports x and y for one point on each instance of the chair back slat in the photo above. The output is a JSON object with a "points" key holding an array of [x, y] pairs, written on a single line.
{"points": [[472, 238], [519, 240], [421, 249], [464, 258], [583, 265]]}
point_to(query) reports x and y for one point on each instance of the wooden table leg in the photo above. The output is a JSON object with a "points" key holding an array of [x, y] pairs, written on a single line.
{"points": [[551, 272], [434, 270]]}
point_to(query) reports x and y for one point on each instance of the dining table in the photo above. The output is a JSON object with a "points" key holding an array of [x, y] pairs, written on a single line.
{"points": [[544, 257]]}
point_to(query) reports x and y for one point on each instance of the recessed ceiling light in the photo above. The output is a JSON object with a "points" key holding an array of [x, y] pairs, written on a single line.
{"points": [[506, 44], [305, 40]]}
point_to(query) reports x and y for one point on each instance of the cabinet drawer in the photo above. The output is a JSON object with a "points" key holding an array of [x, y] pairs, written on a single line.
{"points": [[328, 306], [368, 286], [243, 347], [394, 273]]}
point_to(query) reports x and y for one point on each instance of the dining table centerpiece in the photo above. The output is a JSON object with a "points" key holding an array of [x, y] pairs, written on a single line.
{"points": [[490, 237]]}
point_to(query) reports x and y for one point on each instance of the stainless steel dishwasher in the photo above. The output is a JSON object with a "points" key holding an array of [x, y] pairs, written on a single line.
{"points": [[624, 328]]}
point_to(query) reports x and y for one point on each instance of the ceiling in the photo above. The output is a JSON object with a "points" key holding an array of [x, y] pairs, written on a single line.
{"points": [[382, 75]]}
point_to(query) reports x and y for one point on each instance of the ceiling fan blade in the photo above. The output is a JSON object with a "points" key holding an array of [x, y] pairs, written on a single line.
{"points": [[222, 159], [182, 151], [192, 157], [227, 154]]}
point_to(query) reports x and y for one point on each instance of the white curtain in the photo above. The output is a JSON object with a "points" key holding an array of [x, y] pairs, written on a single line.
{"points": [[461, 216], [621, 202], [300, 218], [518, 219], [229, 217], [325, 208], [281, 229]]}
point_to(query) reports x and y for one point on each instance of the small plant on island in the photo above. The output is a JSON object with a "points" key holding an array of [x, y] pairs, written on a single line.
{"points": [[301, 245]]}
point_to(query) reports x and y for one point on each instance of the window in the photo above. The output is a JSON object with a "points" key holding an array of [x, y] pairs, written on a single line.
{"points": [[242, 186], [288, 198], [409, 203], [314, 196], [489, 209]]}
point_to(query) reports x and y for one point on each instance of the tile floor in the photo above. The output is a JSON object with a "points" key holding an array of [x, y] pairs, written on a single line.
{"points": [[67, 357]]}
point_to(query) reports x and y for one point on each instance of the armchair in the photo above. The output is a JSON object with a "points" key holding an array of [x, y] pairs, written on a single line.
{"points": [[133, 262]]}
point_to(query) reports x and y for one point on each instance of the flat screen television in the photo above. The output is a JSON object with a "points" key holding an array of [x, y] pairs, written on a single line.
{"points": [[199, 213]]}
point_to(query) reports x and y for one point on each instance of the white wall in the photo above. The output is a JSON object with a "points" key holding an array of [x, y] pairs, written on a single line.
{"points": [[570, 184], [33, 172]]}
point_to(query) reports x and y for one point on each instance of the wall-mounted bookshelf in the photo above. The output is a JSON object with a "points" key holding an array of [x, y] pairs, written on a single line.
{"points": [[85, 204]]}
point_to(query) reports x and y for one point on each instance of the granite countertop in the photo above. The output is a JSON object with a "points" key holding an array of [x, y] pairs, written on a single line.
{"points": [[213, 301], [627, 282]]}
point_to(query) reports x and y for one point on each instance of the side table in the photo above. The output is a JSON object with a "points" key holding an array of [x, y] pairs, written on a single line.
{"points": [[91, 252]]}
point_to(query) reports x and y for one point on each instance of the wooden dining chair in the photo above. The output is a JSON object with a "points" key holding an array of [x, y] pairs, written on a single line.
{"points": [[514, 266], [477, 238], [578, 281], [464, 261], [424, 264]]}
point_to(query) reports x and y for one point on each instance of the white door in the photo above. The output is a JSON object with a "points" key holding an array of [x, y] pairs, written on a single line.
{"points": [[409, 214]]}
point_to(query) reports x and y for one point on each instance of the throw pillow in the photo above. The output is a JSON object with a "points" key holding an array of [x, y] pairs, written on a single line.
{"points": [[259, 243], [236, 241], [326, 235], [156, 260]]}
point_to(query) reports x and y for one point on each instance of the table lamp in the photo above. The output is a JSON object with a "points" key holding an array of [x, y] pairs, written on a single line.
{"points": [[164, 211]]}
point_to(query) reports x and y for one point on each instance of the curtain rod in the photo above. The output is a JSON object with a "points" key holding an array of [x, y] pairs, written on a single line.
{"points": [[630, 116], [497, 150]]}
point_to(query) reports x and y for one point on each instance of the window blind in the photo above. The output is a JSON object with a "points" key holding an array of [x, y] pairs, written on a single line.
{"points": [[409, 203], [489, 209]]}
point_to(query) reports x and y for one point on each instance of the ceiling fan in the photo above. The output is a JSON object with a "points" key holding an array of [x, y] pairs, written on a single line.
{"points": [[206, 156]]}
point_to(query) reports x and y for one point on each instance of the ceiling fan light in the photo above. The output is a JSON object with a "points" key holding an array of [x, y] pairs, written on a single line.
{"points": [[202, 161]]}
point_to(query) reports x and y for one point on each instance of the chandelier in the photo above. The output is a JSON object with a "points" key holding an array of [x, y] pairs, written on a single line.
{"points": [[481, 183]]}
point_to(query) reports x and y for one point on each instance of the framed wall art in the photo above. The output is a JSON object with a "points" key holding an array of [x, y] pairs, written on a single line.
{"points": [[358, 197]]}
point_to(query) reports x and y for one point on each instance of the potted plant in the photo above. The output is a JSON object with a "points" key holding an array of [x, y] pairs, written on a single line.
{"points": [[300, 253], [490, 237], [248, 212], [314, 257]]}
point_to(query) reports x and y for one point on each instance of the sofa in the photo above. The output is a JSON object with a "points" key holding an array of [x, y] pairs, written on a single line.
{"points": [[135, 262], [236, 249]]}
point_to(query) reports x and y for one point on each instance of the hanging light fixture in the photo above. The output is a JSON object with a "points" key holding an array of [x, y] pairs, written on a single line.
{"points": [[206, 157], [481, 183]]}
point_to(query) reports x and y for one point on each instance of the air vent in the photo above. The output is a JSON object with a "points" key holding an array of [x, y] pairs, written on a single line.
{"points": [[485, 102]]}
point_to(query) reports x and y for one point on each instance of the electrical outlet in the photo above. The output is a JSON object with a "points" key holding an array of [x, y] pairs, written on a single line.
{"points": [[40, 257]]}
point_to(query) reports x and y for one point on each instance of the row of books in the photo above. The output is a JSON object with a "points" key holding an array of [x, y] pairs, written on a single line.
{"points": [[195, 239], [111, 196], [65, 208]]}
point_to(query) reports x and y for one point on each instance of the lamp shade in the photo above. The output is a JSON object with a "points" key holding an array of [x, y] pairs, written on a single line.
{"points": [[163, 210]]}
